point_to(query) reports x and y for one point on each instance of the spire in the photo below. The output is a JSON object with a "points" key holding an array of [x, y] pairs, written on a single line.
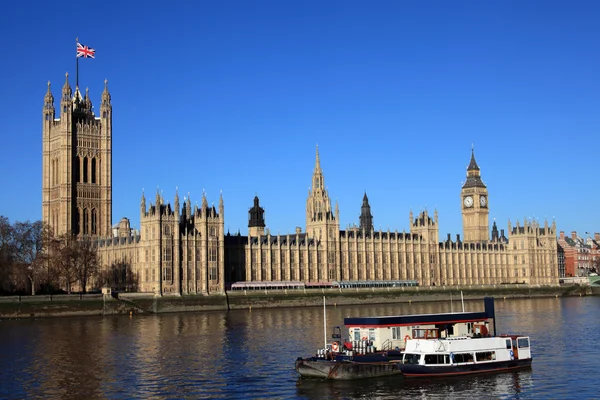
{"points": [[318, 160], [366, 219], [473, 164], [49, 99], [88, 101], [143, 203], [176, 200], [221, 205], [473, 174], [188, 206], [105, 94], [66, 90]]}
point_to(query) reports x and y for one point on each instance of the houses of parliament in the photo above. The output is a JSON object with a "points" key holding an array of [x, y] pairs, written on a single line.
{"points": [[180, 249]]}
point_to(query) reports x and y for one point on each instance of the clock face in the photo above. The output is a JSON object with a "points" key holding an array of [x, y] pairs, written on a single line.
{"points": [[468, 201], [482, 201]]}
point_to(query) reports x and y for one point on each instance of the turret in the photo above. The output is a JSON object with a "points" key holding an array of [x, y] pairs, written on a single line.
{"points": [[48, 111], [366, 219], [188, 207], [66, 106], [106, 111], [143, 204], [256, 219], [221, 206], [176, 202]]}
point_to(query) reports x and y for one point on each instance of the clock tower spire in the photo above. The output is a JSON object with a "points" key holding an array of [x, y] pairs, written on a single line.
{"points": [[475, 211]]}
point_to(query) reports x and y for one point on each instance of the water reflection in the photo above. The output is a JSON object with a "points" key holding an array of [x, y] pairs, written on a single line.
{"points": [[250, 354]]}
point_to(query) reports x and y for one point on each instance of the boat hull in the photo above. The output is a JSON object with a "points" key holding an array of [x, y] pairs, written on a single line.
{"points": [[345, 370], [423, 371]]}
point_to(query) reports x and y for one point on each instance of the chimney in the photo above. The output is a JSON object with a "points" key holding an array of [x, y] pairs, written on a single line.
{"points": [[562, 235], [298, 230], [574, 235]]}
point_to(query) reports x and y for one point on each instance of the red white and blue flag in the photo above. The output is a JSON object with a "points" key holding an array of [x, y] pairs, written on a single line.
{"points": [[84, 51]]}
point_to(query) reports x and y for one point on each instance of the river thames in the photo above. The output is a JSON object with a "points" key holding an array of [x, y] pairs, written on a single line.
{"points": [[251, 354]]}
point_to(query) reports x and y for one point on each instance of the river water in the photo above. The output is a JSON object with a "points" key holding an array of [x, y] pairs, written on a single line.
{"points": [[251, 354]]}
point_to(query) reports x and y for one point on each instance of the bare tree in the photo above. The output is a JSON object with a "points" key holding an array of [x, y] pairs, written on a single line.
{"points": [[6, 254], [87, 263], [64, 258], [120, 276], [29, 243]]}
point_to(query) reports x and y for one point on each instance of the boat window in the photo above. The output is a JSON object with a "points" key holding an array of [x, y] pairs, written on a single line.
{"points": [[425, 333], [523, 342], [508, 344], [371, 334], [436, 359], [357, 334], [411, 358], [396, 334], [463, 357], [485, 355]]}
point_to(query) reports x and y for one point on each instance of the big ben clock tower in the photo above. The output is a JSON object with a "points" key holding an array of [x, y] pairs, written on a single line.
{"points": [[474, 200]]}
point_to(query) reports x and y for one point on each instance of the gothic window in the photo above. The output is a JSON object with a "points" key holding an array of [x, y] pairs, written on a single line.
{"points": [[212, 253], [85, 170], [167, 274], [212, 273], [167, 230], [94, 227], [93, 170], [167, 254], [77, 169], [212, 232], [85, 221]]}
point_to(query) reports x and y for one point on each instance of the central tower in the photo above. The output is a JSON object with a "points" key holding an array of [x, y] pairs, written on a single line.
{"points": [[474, 200], [320, 220]]}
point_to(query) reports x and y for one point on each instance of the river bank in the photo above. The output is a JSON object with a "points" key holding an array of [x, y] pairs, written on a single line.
{"points": [[144, 303]]}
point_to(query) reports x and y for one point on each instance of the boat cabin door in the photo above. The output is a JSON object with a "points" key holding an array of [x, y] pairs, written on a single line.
{"points": [[521, 348]]}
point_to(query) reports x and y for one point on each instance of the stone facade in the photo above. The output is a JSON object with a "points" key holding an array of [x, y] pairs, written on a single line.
{"points": [[182, 249], [324, 253]]}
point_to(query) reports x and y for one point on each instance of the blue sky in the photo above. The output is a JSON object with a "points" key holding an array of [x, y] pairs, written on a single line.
{"points": [[235, 95]]}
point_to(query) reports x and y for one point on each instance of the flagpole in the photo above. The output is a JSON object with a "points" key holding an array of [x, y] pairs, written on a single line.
{"points": [[76, 64]]}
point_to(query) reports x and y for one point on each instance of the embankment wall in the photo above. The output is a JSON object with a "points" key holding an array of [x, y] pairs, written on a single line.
{"points": [[144, 303]]}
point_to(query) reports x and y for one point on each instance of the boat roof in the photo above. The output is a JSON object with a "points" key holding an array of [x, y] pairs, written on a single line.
{"points": [[416, 319]]}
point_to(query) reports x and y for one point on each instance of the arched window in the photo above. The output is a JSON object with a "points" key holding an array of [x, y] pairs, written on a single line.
{"points": [[93, 170], [85, 221], [85, 170], [77, 169], [94, 227]]}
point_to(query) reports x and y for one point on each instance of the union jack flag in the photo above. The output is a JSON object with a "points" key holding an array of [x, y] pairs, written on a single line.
{"points": [[84, 51]]}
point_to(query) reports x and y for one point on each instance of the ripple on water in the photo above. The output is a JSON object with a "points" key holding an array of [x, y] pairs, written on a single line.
{"points": [[244, 354]]}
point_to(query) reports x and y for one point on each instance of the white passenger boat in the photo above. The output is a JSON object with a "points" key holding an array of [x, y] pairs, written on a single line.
{"points": [[465, 355]]}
